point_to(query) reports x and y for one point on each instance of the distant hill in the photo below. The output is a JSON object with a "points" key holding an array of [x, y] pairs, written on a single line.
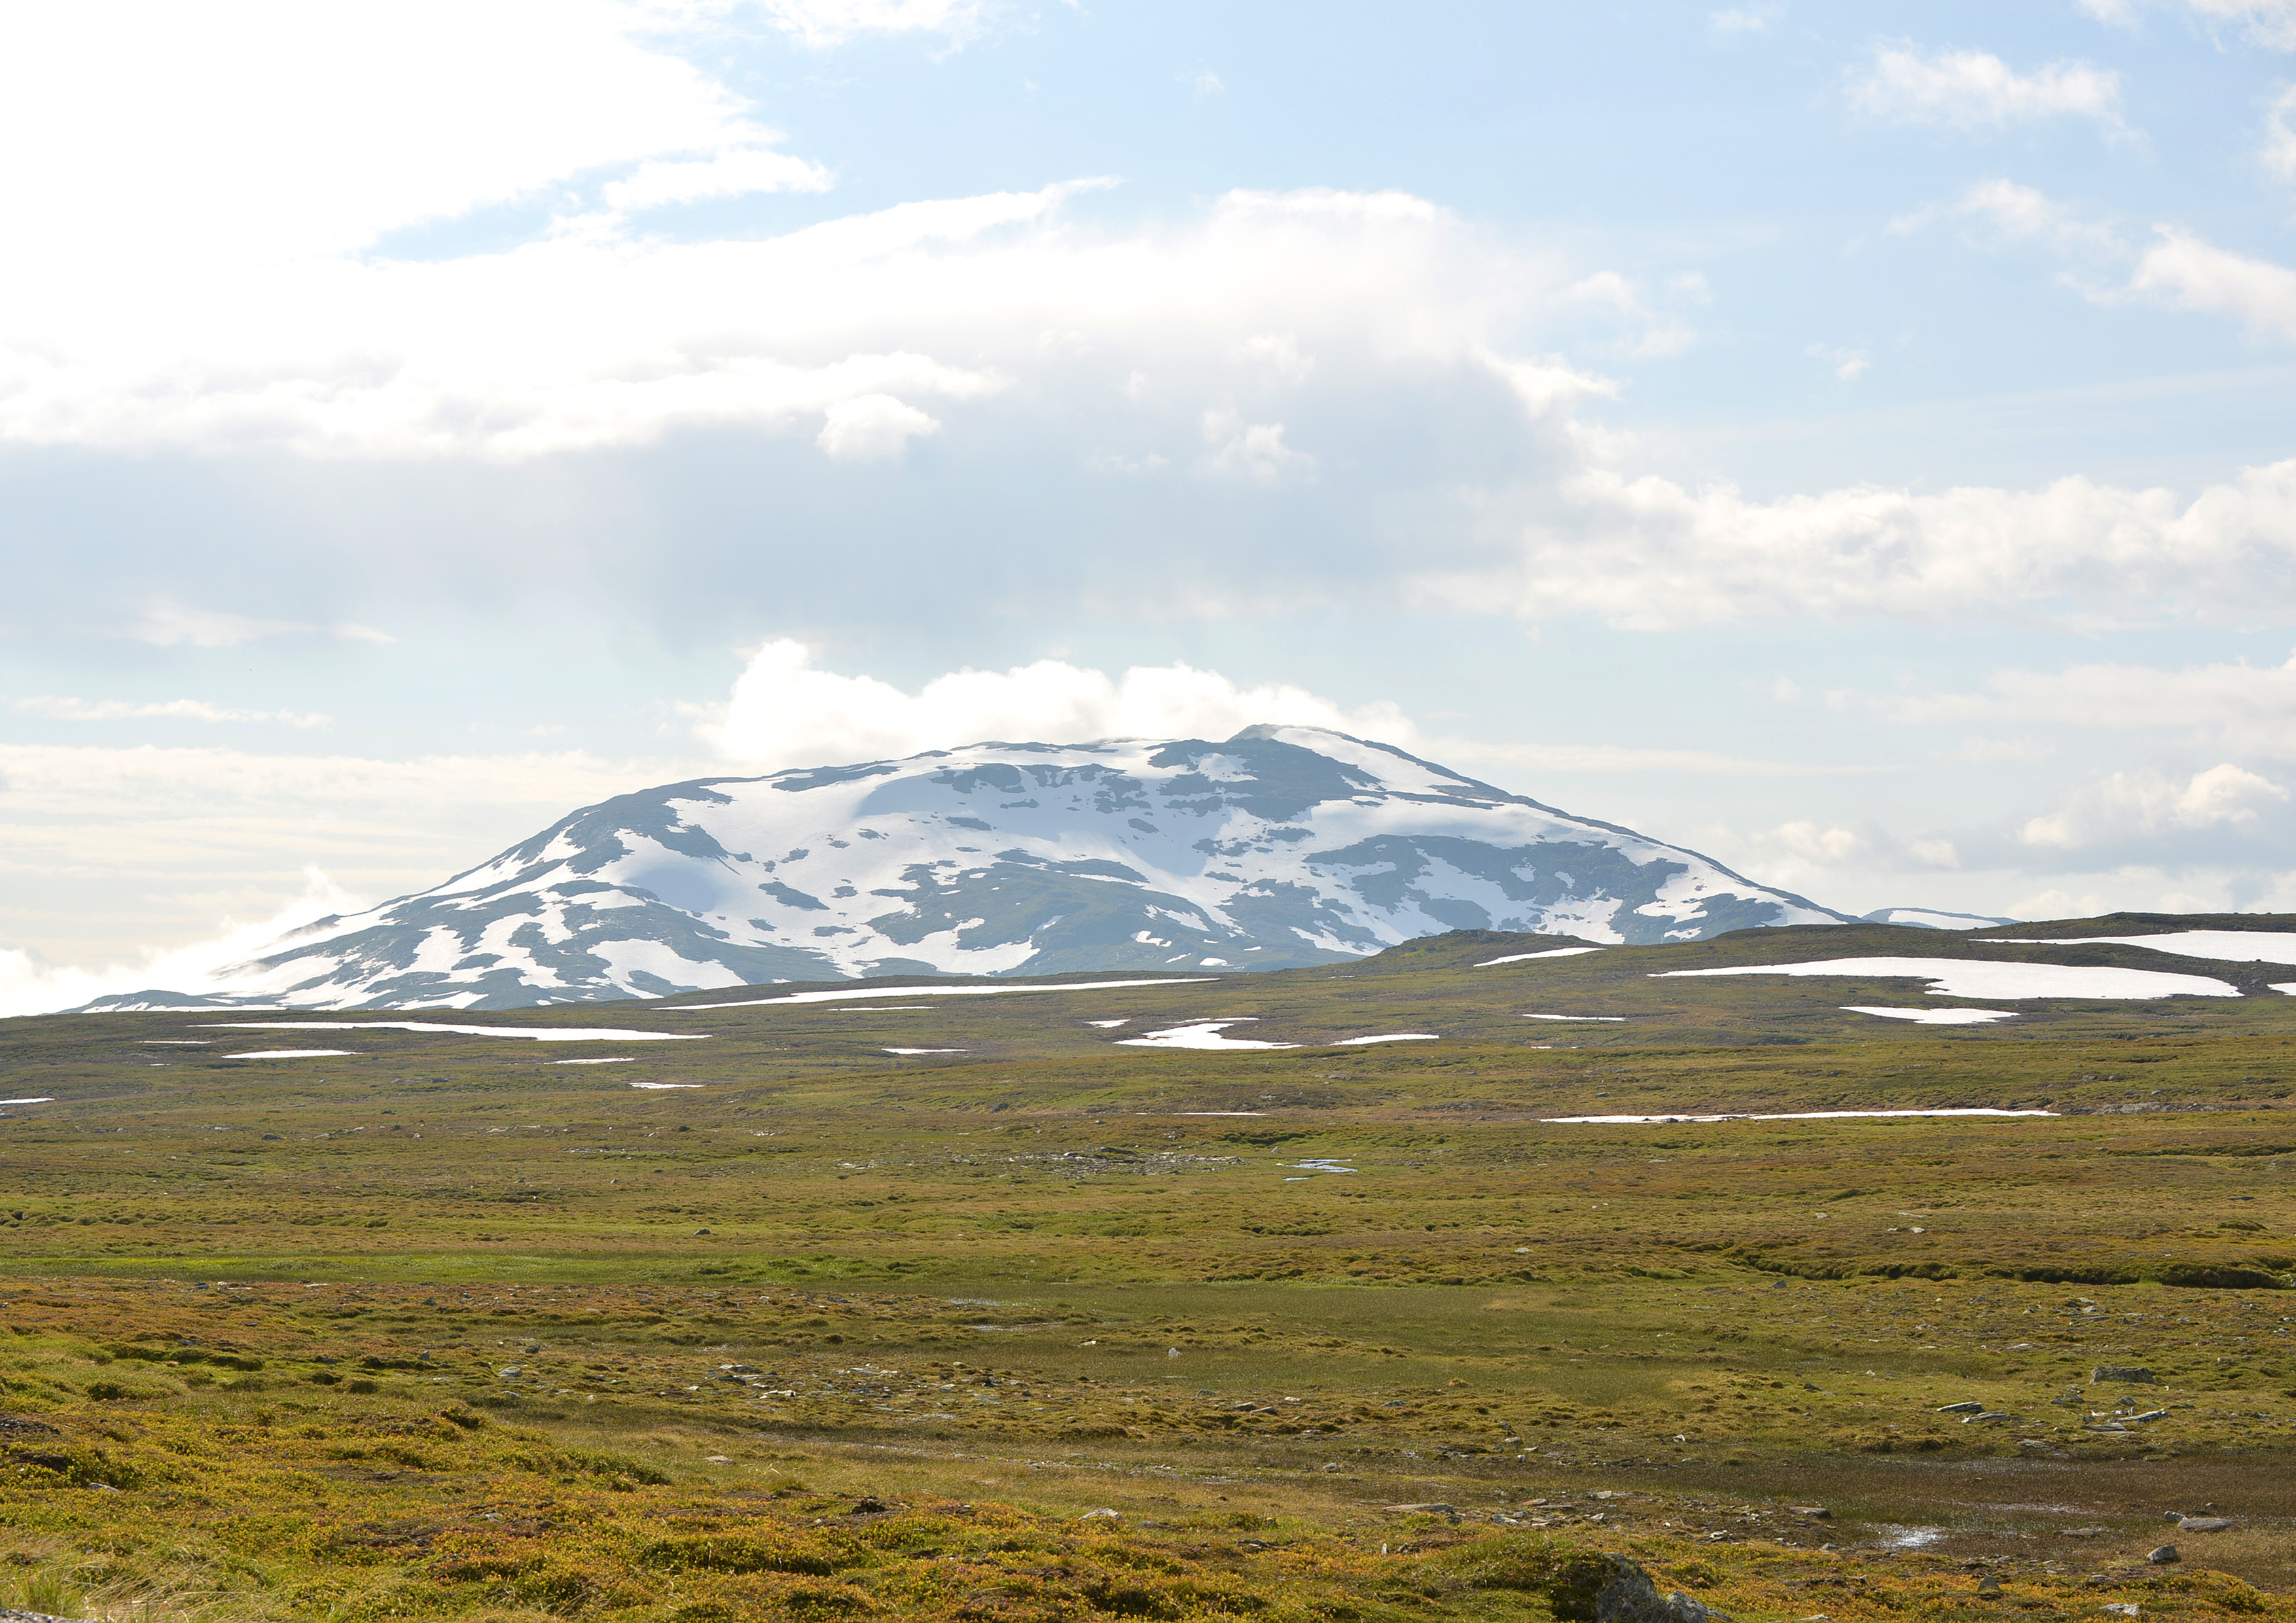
{"points": [[1281, 846], [1931, 918]]}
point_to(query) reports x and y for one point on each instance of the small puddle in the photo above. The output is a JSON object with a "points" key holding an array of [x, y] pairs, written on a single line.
{"points": [[1910, 1538]]}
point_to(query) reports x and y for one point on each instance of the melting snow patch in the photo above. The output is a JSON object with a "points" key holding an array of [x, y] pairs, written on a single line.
{"points": [[1391, 1036], [589, 1062], [2225, 946], [296, 1054], [537, 1034], [656, 1086], [1986, 978], [1936, 1016], [1316, 1163], [1110, 1025], [44, 1099], [1796, 1116], [1611, 1019], [1558, 951], [178, 1042], [1203, 1034], [1076, 985], [928, 1051]]}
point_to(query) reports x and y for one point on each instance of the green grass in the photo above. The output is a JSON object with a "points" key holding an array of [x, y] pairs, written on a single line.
{"points": [[993, 1290]]}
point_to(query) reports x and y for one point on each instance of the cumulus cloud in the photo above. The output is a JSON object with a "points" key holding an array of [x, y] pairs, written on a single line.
{"points": [[56, 707], [786, 711], [1250, 451], [2147, 802], [2195, 275], [1972, 90], [2024, 213], [872, 428]]}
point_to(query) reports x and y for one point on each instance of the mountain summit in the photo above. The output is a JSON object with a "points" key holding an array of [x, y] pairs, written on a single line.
{"points": [[1279, 847]]}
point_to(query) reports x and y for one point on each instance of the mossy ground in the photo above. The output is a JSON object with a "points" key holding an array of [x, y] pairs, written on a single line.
{"points": [[448, 1330]]}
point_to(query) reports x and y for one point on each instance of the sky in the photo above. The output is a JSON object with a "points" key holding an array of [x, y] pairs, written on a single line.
{"points": [[1856, 441]]}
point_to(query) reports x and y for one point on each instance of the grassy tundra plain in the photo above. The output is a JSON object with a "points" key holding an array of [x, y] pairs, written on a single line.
{"points": [[1024, 1324]]}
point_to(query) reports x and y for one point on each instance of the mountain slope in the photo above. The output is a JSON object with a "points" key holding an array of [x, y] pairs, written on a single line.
{"points": [[1280, 847]]}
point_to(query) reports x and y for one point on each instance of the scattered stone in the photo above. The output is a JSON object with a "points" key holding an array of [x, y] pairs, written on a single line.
{"points": [[1816, 1512], [2130, 1375], [2083, 1532], [2172, 1515], [1603, 1588], [1100, 1515], [2127, 1609], [1989, 1585], [2162, 1556], [718, 1459], [2149, 1414], [1989, 1414], [1961, 1409], [2204, 1524], [9, 1614], [1334, 1465], [1421, 1510]]}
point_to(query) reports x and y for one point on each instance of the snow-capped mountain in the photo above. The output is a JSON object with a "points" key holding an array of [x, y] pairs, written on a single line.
{"points": [[1278, 847]]}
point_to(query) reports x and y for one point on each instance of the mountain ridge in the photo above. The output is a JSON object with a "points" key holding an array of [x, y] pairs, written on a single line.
{"points": [[1279, 847]]}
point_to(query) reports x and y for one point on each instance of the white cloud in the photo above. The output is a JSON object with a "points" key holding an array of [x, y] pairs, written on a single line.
{"points": [[2022, 213], [735, 172], [785, 712], [1253, 451], [2271, 23], [2198, 275], [102, 845], [2147, 802], [873, 428], [1204, 82], [55, 707], [182, 134], [2279, 151], [1976, 90], [1848, 365], [1610, 759], [1548, 386], [830, 22], [167, 625], [1277, 355], [1649, 553], [1746, 18], [2248, 708], [30, 985], [2265, 22]]}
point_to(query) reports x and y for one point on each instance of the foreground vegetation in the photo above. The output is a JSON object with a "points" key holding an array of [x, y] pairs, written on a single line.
{"points": [[1048, 1327]]}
